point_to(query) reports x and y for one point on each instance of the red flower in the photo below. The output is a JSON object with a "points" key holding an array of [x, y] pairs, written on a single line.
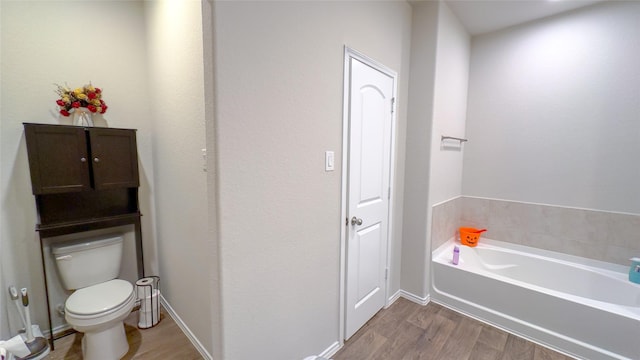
{"points": [[87, 96]]}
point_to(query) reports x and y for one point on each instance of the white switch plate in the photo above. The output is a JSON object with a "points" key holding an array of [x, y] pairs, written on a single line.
{"points": [[329, 161]]}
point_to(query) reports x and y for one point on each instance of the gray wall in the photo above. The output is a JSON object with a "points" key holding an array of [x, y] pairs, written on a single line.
{"points": [[186, 250], [35, 54], [131, 56], [438, 97], [424, 27], [553, 122], [554, 111], [279, 90]]}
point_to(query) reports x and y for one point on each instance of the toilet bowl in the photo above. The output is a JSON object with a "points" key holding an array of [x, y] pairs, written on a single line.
{"points": [[98, 311]]}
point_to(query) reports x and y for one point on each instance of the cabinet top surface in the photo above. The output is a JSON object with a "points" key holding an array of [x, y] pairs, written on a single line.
{"points": [[74, 126]]}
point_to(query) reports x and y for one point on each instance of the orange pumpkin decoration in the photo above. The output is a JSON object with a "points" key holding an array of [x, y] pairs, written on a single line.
{"points": [[470, 236]]}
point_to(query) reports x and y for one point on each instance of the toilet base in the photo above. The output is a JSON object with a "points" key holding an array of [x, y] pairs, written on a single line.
{"points": [[108, 344]]}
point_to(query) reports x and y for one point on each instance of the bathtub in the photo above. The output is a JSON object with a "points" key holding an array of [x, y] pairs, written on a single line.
{"points": [[584, 308]]}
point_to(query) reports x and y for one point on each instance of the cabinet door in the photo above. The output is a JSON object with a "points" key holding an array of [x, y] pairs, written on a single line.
{"points": [[114, 158], [58, 158]]}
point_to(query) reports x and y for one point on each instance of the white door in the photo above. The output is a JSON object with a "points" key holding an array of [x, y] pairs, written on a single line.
{"points": [[370, 121]]}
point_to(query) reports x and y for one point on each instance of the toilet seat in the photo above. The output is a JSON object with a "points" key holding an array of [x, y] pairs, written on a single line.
{"points": [[100, 300]]}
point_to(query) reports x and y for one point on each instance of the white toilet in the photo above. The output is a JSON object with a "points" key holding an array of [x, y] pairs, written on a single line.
{"points": [[100, 302]]}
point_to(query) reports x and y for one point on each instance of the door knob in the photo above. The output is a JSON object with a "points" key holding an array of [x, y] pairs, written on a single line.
{"points": [[356, 221], [96, 159]]}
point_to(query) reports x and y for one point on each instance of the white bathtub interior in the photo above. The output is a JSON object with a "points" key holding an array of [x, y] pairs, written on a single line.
{"points": [[582, 307]]}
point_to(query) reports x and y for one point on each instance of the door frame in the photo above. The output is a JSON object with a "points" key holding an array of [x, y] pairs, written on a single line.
{"points": [[350, 53]]}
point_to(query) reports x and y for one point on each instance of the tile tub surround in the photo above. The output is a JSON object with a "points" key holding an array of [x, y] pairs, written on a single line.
{"points": [[445, 221], [599, 235]]}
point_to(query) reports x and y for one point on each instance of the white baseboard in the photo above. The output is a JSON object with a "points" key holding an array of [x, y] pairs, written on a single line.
{"points": [[414, 298], [409, 296], [331, 350], [393, 298], [185, 329]]}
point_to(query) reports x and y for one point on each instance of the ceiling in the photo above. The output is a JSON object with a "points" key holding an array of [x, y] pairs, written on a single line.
{"points": [[483, 16]]}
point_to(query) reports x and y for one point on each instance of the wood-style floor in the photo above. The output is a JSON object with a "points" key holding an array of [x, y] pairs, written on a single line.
{"points": [[163, 341], [404, 331], [410, 331]]}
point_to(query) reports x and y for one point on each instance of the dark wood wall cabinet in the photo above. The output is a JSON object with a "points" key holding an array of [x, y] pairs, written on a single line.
{"points": [[84, 178], [71, 158]]}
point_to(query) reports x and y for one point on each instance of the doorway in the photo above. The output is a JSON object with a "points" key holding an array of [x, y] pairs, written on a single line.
{"points": [[368, 133]]}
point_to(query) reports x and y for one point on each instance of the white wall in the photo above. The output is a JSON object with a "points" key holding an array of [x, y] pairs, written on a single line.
{"points": [[43, 43], [147, 57], [424, 28], [554, 111], [449, 107], [212, 180], [176, 85], [449, 118], [438, 95], [279, 76], [4, 315]]}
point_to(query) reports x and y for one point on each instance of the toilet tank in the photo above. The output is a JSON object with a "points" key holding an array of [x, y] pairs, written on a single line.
{"points": [[88, 262]]}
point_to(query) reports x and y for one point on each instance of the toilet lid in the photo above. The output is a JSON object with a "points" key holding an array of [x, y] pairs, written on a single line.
{"points": [[98, 298]]}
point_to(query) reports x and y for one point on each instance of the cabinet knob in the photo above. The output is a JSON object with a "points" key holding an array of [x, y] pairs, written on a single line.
{"points": [[83, 159], [96, 159]]}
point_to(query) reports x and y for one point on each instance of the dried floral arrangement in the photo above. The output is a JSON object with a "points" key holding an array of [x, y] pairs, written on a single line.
{"points": [[87, 96]]}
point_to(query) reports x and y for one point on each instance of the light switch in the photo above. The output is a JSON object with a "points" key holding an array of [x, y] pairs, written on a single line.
{"points": [[329, 161], [204, 159]]}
